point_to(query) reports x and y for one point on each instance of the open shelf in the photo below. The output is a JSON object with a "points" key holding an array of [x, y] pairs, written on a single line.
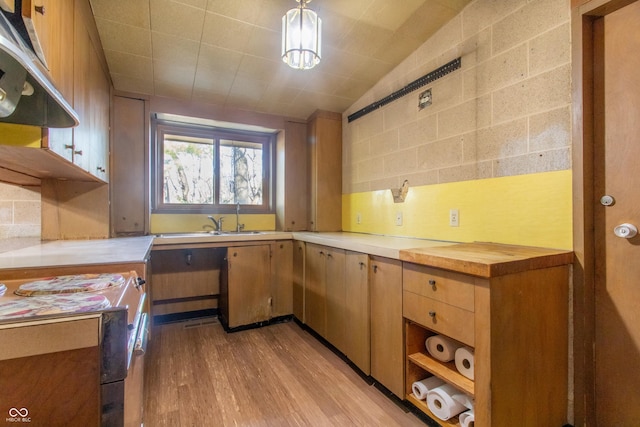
{"points": [[422, 406], [444, 370]]}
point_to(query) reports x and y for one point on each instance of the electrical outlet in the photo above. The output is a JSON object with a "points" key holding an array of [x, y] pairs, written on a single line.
{"points": [[398, 218], [358, 218], [454, 218]]}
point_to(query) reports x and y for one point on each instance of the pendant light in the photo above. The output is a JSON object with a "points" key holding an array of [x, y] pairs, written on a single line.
{"points": [[301, 37]]}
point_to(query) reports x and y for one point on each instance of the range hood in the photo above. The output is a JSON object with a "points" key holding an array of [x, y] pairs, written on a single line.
{"points": [[27, 96]]}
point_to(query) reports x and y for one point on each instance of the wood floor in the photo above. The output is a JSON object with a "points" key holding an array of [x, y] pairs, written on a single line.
{"points": [[279, 375]]}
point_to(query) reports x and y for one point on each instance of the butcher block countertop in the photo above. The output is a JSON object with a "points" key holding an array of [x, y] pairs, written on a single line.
{"points": [[487, 259], [78, 252]]}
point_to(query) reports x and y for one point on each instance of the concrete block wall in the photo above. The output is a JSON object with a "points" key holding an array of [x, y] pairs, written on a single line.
{"points": [[20, 210], [505, 112]]}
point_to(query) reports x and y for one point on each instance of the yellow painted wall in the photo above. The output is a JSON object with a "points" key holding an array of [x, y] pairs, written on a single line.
{"points": [[20, 135], [183, 223], [531, 210]]}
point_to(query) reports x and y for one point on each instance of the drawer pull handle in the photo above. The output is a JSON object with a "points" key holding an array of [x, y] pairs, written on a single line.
{"points": [[432, 314], [432, 282]]}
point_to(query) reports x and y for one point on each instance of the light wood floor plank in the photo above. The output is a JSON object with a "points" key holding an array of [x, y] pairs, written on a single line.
{"points": [[277, 376]]}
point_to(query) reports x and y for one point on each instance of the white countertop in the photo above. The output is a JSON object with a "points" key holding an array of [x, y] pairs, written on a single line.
{"points": [[78, 252], [136, 249], [373, 244], [210, 238]]}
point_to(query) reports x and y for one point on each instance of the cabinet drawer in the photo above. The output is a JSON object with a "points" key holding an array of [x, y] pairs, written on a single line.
{"points": [[452, 321], [451, 288]]}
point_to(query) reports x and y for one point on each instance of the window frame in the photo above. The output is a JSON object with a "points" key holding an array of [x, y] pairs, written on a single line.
{"points": [[160, 127]]}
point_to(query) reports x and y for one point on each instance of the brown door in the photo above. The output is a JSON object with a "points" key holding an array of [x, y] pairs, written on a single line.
{"points": [[617, 174]]}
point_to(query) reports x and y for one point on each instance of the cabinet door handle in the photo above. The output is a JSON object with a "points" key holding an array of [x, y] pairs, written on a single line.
{"points": [[68, 146], [432, 282], [375, 268], [39, 9], [329, 255], [362, 265], [432, 314], [78, 152]]}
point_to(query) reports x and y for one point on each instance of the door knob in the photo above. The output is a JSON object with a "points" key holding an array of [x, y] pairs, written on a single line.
{"points": [[626, 231]]}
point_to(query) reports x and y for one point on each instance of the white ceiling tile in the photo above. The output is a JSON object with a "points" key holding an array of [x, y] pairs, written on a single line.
{"points": [[135, 66], [129, 12], [170, 48], [228, 51], [225, 32], [177, 19], [124, 38]]}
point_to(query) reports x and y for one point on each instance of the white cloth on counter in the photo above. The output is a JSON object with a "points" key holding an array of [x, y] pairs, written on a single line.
{"points": [[422, 387], [442, 404], [465, 361], [467, 419], [441, 347]]}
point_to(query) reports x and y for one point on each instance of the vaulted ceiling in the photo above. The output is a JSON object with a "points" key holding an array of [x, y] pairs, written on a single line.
{"points": [[227, 52]]}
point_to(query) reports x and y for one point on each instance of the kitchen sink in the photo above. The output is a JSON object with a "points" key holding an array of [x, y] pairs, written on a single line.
{"points": [[191, 234], [232, 233], [207, 234]]}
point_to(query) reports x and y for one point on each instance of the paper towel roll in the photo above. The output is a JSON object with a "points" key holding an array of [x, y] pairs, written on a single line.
{"points": [[441, 403], [421, 388], [441, 347], [465, 361], [464, 399], [467, 419]]}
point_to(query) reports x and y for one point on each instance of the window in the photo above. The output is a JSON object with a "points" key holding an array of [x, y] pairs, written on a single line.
{"points": [[203, 169]]}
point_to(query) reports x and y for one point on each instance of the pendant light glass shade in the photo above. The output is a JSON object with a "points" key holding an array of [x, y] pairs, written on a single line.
{"points": [[301, 37]]}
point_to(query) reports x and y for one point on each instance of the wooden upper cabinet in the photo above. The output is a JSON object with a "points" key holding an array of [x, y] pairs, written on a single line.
{"points": [[324, 135], [52, 22], [128, 183], [82, 51], [292, 198], [71, 52], [51, 25]]}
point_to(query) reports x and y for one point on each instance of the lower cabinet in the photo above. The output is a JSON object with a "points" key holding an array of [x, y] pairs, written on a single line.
{"points": [[282, 277], [516, 327], [354, 301], [324, 293], [335, 291], [315, 292], [298, 280], [356, 315], [245, 286], [387, 352]]}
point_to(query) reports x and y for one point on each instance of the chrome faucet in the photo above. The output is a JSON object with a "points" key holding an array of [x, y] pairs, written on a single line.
{"points": [[216, 224], [239, 227]]}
